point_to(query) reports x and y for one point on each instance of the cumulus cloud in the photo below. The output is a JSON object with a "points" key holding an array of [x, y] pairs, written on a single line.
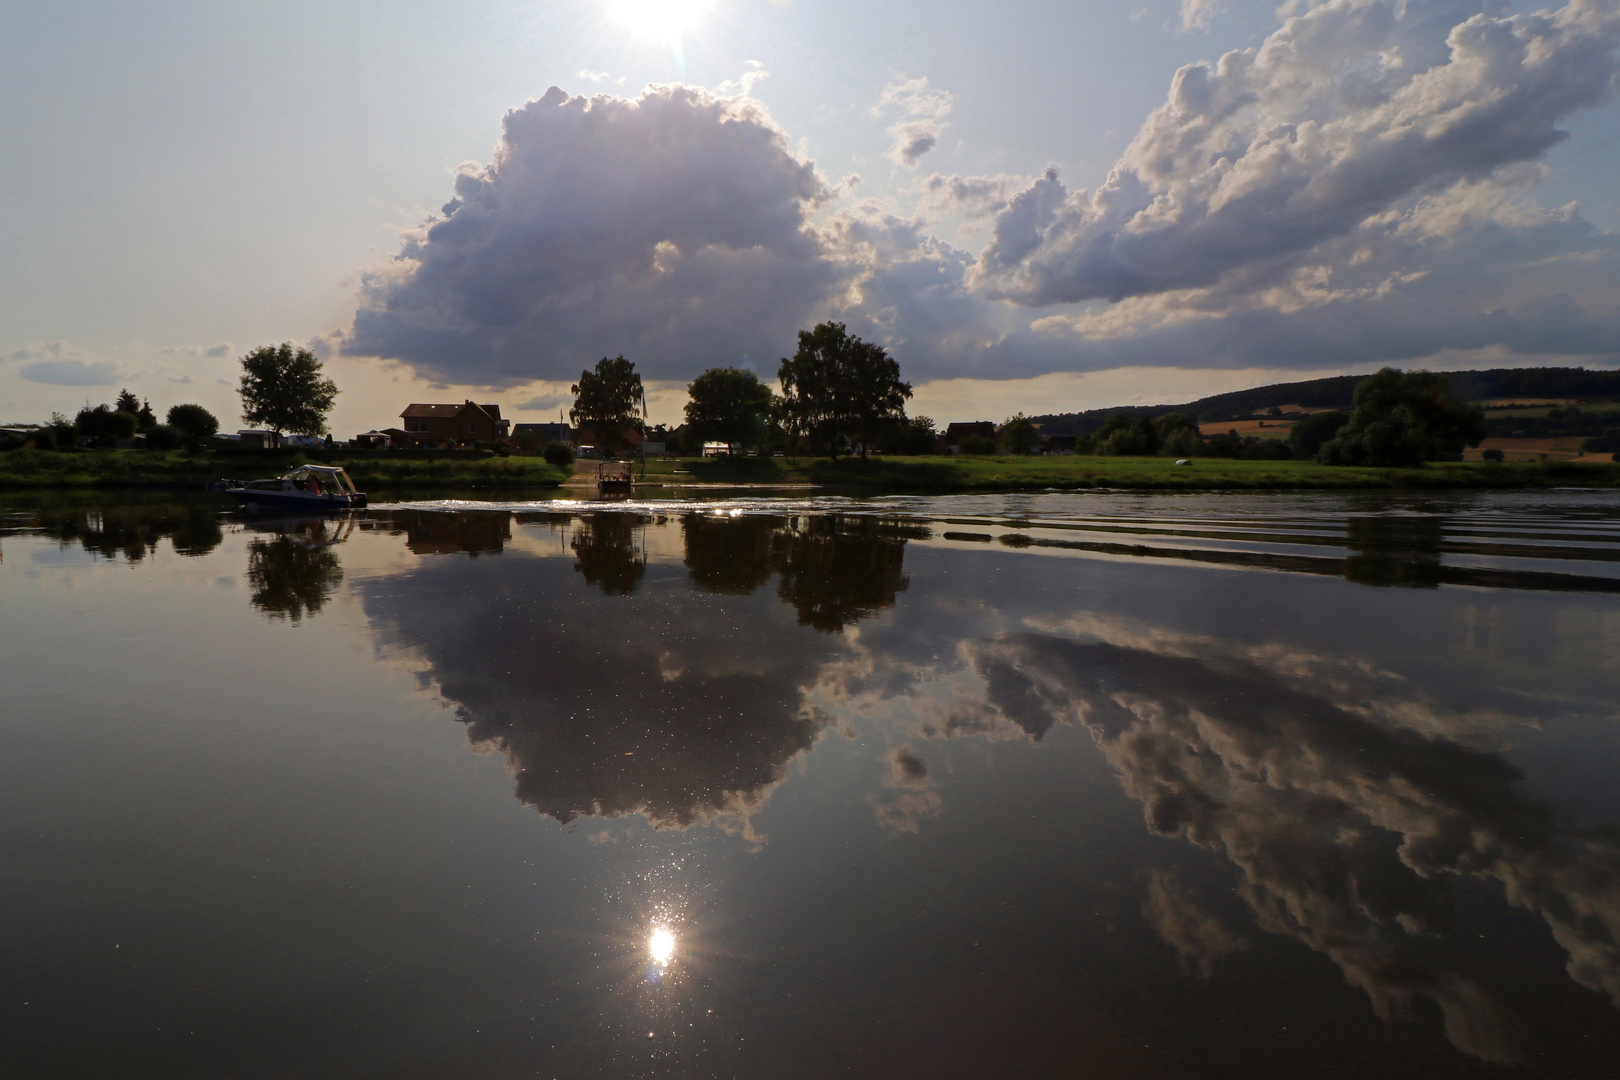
{"points": [[922, 110], [911, 797], [1337, 117], [1356, 190], [672, 228], [56, 363]]}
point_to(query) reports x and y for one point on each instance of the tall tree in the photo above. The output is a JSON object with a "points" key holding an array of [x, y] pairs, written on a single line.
{"points": [[839, 386], [285, 391], [127, 402], [608, 398], [728, 405], [1019, 435], [1404, 419]]}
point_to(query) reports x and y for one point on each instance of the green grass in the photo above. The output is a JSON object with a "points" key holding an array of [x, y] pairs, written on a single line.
{"points": [[929, 474], [370, 471], [475, 470]]}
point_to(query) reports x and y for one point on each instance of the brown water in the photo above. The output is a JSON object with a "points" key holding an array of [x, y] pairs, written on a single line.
{"points": [[1024, 786]]}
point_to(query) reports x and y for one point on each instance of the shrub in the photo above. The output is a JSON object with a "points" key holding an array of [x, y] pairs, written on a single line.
{"points": [[1494, 455], [193, 421], [559, 454], [164, 437], [978, 444]]}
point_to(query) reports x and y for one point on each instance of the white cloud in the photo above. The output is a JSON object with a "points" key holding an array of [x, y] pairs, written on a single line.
{"points": [[593, 76], [922, 109], [1198, 14], [1335, 119]]}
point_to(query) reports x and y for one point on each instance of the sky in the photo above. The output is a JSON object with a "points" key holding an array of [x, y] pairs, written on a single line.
{"points": [[1035, 207]]}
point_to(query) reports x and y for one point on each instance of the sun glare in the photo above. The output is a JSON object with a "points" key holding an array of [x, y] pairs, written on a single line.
{"points": [[664, 20], [661, 945]]}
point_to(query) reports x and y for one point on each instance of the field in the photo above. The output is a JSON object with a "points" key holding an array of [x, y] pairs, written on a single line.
{"points": [[371, 471]]}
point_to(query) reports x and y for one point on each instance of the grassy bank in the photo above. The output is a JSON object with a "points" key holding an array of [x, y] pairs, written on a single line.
{"points": [[940, 474], [481, 471], [473, 470]]}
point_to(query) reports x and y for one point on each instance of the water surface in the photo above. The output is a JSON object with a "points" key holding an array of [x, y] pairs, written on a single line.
{"points": [[1037, 785]]}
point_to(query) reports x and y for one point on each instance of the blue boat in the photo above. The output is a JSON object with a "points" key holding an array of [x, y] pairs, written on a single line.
{"points": [[308, 487]]}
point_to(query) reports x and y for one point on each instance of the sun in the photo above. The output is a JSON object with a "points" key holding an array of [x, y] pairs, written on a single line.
{"points": [[665, 20]]}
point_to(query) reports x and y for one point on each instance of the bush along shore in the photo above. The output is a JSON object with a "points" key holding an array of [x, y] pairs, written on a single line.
{"points": [[432, 469], [474, 470]]}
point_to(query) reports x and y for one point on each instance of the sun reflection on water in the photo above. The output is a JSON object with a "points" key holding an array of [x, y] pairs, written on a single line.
{"points": [[662, 945]]}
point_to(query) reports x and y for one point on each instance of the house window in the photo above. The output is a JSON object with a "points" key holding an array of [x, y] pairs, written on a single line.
{"points": [[418, 426], [472, 429]]}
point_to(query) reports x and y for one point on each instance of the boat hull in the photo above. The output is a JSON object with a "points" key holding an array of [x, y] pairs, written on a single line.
{"points": [[253, 501]]}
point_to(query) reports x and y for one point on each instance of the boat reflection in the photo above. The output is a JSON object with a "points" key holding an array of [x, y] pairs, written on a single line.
{"points": [[293, 574]]}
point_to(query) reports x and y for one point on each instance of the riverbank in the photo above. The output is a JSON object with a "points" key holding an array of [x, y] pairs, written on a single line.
{"points": [[473, 470], [480, 471], [942, 474]]}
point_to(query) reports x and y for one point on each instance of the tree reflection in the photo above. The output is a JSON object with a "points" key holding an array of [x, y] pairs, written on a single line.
{"points": [[729, 554], [293, 575], [1395, 551], [608, 553], [836, 570], [131, 530]]}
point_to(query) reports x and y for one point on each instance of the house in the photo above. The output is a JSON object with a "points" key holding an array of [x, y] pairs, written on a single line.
{"points": [[439, 425], [955, 433], [250, 439], [624, 440], [540, 434]]}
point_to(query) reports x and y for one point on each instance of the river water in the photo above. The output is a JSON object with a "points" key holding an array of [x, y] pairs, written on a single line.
{"points": [[996, 786]]}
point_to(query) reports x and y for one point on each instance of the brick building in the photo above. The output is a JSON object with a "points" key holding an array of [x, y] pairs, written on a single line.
{"points": [[439, 425]]}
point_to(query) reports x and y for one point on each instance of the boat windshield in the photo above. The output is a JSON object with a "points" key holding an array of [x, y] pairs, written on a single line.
{"points": [[328, 481]]}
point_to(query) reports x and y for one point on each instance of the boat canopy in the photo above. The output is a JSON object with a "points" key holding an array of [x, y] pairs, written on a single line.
{"points": [[326, 474]]}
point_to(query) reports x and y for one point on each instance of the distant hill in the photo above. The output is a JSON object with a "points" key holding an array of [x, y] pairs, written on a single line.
{"points": [[1336, 392]]}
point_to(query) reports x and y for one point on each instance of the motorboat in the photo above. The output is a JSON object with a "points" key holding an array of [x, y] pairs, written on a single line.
{"points": [[308, 487], [613, 478]]}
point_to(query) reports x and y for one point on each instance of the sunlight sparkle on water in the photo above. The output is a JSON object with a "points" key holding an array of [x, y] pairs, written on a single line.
{"points": [[661, 945]]}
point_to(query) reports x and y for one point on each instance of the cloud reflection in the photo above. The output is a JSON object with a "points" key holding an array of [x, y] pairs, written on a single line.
{"points": [[1350, 825]]}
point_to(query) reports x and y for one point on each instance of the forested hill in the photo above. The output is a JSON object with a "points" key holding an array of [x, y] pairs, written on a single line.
{"points": [[1336, 392]]}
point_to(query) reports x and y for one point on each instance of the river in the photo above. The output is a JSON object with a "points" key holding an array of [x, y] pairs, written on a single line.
{"points": [[1215, 785]]}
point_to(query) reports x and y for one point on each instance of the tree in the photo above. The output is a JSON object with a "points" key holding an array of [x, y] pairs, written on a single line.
{"points": [[1308, 435], [838, 386], [1125, 435], [285, 391], [608, 398], [1178, 435], [196, 422], [729, 405], [1019, 435], [103, 424], [127, 402], [1404, 420], [916, 436]]}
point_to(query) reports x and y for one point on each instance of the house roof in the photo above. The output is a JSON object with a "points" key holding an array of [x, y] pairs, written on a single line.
{"points": [[962, 429], [446, 412]]}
